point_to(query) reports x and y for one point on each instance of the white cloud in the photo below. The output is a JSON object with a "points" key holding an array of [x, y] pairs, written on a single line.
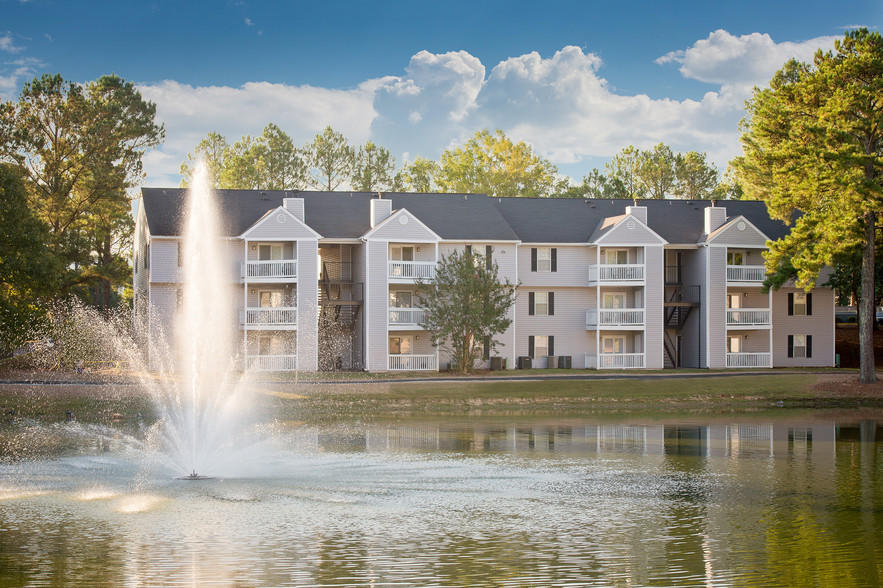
{"points": [[248, 22], [750, 60], [559, 104], [8, 44]]}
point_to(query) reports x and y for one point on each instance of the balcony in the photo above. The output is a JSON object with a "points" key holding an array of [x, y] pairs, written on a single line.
{"points": [[749, 360], [408, 271], [748, 318], [615, 361], [271, 363], [413, 363], [269, 271], [612, 318], [406, 318], [280, 317], [616, 273], [746, 274]]}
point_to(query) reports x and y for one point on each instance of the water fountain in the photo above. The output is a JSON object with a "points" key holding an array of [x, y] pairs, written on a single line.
{"points": [[206, 410]]}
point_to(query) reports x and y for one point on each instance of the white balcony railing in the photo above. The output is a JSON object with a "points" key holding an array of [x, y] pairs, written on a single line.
{"points": [[616, 273], [270, 317], [271, 363], [749, 360], [411, 270], [413, 363], [748, 317], [614, 361], [281, 268], [746, 273], [406, 316], [615, 317]]}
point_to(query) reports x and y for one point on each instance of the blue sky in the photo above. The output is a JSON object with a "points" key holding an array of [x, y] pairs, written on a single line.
{"points": [[577, 80]]}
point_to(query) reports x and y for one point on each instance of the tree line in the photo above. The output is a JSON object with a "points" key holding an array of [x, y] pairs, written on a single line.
{"points": [[488, 163]]}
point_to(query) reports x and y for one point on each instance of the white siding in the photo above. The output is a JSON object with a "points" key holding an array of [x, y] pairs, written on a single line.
{"points": [[748, 237], [393, 230], [653, 314], [623, 235], [376, 307], [164, 261], [572, 267], [714, 304], [308, 305], [567, 325], [820, 325], [279, 225]]}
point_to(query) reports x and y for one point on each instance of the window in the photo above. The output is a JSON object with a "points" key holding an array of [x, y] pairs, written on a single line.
{"points": [[613, 345], [800, 346], [489, 257], [734, 344], [270, 299], [735, 257], [734, 301], [616, 257], [400, 345], [541, 303], [544, 259], [402, 253], [540, 345], [270, 252], [613, 300], [800, 303], [400, 299], [270, 345]]}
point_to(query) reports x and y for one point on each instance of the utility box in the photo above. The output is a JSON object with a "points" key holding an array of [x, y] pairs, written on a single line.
{"points": [[565, 362], [497, 363], [525, 362], [551, 361]]}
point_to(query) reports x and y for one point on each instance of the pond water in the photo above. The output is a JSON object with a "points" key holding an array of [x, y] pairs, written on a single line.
{"points": [[740, 500]]}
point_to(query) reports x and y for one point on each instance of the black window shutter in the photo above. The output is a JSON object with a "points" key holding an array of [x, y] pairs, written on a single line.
{"points": [[808, 305], [790, 305], [488, 257], [790, 345], [533, 259], [486, 352], [554, 259], [469, 250], [809, 346], [551, 345], [530, 345], [530, 303], [551, 303]]}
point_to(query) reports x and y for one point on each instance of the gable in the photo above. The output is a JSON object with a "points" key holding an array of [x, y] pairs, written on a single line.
{"points": [[402, 226], [626, 230], [279, 224], [738, 232]]}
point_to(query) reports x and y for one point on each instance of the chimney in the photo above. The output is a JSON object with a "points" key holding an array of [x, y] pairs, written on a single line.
{"points": [[380, 210], [295, 206], [715, 216], [639, 212]]}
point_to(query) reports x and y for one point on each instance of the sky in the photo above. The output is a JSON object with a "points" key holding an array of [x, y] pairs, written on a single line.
{"points": [[577, 80]]}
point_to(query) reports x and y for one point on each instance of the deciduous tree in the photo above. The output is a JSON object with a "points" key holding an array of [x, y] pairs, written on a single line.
{"points": [[492, 164], [466, 306]]}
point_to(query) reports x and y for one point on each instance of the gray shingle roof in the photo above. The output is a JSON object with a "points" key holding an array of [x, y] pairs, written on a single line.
{"points": [[345, 215]]}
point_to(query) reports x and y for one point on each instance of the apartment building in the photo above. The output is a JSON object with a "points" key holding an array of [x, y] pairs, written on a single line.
{"points": [[326, 280]]}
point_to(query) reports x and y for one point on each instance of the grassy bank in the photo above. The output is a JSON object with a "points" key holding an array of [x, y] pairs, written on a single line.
{"points": [[370, 400]]}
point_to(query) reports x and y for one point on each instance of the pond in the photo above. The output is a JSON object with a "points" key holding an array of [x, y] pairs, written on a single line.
{"points": [[790, 500]]}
